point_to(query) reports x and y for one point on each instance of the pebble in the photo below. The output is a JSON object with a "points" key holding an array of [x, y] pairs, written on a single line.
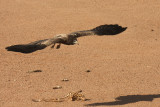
{"points": [[88, 71], [34, 71], [57, 87], [65, 80]]}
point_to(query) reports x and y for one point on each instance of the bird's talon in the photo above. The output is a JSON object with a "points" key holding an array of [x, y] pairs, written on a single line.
{"points": [[58, 46], [53, 46]]}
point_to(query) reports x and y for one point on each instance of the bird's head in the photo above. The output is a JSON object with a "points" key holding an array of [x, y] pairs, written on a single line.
{"points": [[72, 40], [67, 39]]}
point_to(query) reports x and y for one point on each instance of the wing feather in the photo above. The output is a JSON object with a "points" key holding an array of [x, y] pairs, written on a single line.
{"points": [[82, 33], [34, 46], [108, 29], [101, 30]]}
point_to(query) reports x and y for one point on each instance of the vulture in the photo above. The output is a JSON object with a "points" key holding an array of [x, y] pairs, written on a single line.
{"points": [[67, 39]]}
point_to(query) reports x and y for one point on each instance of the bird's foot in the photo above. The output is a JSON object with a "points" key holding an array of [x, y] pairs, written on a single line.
{"points": [[53, 46], [58, 46]]}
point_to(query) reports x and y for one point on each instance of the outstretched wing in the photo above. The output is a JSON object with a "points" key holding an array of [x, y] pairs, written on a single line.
{"points": [[101, 30], [34, 46], [66, 39]]}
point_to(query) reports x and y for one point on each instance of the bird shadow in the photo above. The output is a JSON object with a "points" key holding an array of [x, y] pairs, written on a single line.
{"points": [[122, 100]]}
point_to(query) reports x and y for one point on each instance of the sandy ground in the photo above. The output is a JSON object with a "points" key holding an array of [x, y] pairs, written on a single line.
{"points": [[125, 69]]}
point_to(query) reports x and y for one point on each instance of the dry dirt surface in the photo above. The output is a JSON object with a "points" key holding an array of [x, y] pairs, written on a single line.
{"points": [[124, 69]]}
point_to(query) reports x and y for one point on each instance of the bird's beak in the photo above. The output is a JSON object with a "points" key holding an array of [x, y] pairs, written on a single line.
{"points": [[76, 42]]}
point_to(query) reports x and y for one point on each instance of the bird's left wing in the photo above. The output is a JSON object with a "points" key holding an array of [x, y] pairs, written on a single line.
{"points": [[101, 30]]}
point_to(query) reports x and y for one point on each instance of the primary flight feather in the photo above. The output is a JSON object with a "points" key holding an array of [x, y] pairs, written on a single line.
{"points": [[68, 39]]}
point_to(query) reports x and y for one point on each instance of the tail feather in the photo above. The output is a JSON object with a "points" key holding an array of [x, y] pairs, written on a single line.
{"points": [[25, 48], [108, 29]]}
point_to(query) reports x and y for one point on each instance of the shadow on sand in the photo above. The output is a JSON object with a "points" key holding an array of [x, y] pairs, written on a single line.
{"points": [[122, 100]]}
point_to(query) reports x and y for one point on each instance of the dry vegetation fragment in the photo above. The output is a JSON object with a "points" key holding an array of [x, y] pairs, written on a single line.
{"points": [[72, 96]]}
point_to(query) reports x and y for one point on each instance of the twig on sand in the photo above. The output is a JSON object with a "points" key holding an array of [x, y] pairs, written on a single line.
{"points": [[74, 96], [34, 71]]}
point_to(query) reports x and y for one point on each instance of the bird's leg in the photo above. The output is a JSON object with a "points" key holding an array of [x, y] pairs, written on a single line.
{"points": [[58, 46], [53, 45]]}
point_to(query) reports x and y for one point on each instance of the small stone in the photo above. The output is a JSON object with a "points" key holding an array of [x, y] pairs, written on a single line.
{"points": [[57, 87], [34, 71], [88, 71], [65, 79], [36, 100]]}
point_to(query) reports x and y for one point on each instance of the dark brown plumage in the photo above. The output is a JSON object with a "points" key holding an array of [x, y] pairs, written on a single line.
{"points": [[68, 39]]}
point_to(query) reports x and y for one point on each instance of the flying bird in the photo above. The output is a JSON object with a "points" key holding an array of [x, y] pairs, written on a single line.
{"points": [[67, 39]]}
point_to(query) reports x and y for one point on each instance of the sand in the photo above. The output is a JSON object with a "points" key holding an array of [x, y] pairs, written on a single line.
{"points": [[124, 69]]}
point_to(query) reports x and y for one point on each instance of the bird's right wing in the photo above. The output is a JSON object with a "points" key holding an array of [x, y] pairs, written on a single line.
{"points": [[34, 46]]}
